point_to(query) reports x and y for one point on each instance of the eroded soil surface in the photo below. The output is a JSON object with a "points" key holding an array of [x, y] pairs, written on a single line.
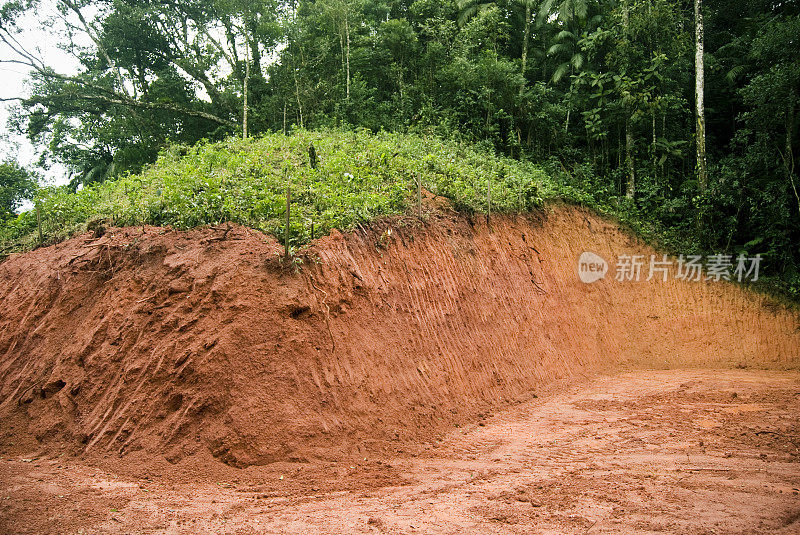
{"points": [[171, 344], [680, 451]]}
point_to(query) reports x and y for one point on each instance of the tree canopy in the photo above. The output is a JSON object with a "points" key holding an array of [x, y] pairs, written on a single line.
{"points": [[16, 185], [601, 91]]}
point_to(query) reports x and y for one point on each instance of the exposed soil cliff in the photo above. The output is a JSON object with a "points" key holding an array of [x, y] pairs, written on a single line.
{"points": [[174, 342]]}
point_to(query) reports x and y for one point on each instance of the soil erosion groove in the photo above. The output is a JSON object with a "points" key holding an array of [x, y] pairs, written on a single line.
{"points": [[177, 342]]}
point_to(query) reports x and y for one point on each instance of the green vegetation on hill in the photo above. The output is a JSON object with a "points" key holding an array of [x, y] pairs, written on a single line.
{"points": [[358, 176], [601, 94]]}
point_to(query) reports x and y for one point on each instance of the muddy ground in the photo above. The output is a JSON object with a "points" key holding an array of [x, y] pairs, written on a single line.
{"points": [[679, 451]]}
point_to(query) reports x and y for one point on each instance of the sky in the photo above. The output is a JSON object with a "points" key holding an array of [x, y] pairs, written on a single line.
{"points": [[41, 37], [36, 36]]}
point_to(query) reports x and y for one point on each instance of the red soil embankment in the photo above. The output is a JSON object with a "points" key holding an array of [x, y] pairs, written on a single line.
{"points": [[176, 341]]}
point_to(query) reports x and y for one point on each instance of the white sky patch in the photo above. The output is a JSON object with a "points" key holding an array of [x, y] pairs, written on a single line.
{"points": [[44, 33], [42, 39]]}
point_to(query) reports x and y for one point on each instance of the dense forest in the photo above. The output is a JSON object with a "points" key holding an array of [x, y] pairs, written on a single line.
{"points": [[684, 114]]}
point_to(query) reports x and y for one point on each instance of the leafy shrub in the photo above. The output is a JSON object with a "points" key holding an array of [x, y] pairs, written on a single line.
{"points": [[359, 176]]}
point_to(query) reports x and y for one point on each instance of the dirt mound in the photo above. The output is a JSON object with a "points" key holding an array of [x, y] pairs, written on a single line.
{"points": [[173, 342]]}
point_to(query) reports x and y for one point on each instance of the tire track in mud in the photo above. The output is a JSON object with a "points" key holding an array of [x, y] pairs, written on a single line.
{"points": [[627, 453]]}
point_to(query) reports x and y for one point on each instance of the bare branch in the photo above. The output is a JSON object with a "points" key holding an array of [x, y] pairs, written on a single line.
{"points": [[219, 47], [123, 100], [20, 50], [112, 97], [16, 61], [91, 32], [160, 106], [90, 90]]}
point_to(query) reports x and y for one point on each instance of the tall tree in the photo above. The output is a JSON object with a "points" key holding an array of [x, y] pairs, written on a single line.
{"points": [[151, 72], [340, 12], [630, 189], [699, 90]]}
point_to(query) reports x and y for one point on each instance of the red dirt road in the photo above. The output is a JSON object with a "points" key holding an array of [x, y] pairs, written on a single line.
{"points": [[679, 451]]}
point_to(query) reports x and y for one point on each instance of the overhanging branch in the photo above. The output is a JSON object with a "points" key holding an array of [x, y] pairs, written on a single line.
{"points": [[104, 94]]}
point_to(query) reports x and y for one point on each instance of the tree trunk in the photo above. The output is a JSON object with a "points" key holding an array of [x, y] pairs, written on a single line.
{"points": [[347, 34], [788, 159], [245, 85], [255, 53], [700, 128], [654, 141], [297, 96], [525, 40], [342, 50], [630, 190], [663, 135]]}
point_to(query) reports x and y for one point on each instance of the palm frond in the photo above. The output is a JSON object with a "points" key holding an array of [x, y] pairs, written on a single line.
{"points": [[560, 72], [468, 8], [580, 8], [546, 9], [564, 34], [732, 75]]}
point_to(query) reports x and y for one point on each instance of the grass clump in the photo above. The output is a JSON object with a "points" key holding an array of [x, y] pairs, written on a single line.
{"points": [[359, 176]]}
